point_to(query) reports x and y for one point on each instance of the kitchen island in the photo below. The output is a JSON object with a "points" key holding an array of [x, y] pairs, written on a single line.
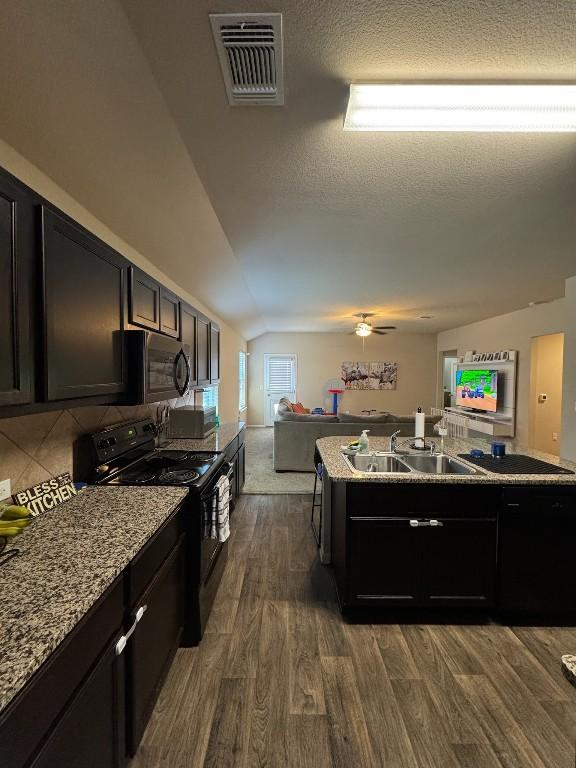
{"points": [[500, 543]]}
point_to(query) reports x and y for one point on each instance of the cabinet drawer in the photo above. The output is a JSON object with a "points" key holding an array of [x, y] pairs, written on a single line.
{"points": [[30, 717], [145, 565], [422, 500]]}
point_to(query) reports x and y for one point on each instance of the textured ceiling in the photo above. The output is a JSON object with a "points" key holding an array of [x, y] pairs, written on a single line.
{"points": [[325, 223]]}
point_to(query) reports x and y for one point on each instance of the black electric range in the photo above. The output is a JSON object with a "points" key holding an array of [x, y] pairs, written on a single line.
{"points": [[126, 454]]}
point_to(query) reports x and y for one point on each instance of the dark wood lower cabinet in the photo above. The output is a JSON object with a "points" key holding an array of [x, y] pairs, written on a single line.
{"points": [[421, 562], [91, 733], [154, 642], [506, 550], [89, 704]]}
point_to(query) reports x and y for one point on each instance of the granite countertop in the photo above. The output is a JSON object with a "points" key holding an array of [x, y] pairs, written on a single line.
{"points": [[338, 470], [569, 668], [68, 558], [217, 441]]}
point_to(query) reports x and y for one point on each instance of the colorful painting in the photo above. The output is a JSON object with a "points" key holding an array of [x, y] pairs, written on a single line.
{"points": [[378, 376]]}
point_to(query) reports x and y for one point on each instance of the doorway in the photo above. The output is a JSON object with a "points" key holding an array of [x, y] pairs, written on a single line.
{"points": [[446, 385], [279, 381], [546, 364]]}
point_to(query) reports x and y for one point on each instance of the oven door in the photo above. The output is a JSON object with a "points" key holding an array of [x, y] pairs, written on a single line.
{"points": [[161, 367], [211, 547]]}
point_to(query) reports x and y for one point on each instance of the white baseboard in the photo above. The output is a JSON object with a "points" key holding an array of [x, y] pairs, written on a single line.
{"points": [[257, 426]]}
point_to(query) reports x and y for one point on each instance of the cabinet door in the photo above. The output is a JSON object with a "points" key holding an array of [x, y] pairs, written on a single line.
{"points": [[241, 467], [169, 313], [91, 733], [214, 353], [383, 561], [188, 321], [458, 562], [537, 569], [144, 303], [16, 269], [83, 312], [154, 642], [203, 350]]}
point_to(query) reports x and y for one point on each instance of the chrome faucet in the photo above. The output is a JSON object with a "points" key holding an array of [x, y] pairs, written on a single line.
{"points": [[393, 438], [432, 448]]}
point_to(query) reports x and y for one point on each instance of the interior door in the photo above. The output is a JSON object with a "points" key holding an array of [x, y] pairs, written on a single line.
{"points": [[280, 377]]}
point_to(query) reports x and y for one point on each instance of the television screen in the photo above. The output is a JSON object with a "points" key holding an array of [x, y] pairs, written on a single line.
{"points": [[477, 389]]}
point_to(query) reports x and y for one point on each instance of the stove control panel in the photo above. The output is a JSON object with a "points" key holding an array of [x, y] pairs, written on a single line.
{"points": [[119, 438]]}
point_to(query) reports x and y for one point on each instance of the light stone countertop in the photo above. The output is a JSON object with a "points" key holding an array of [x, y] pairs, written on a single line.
{"points": [[569, 668], [217, 441], [68, 558], [338, 470]]}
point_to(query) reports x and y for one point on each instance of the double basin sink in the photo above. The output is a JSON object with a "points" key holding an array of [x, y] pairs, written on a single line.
{"points": [[432, 464]]}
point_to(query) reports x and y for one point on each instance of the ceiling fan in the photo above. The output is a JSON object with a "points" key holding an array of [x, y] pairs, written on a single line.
{"points": [[364, 328]]}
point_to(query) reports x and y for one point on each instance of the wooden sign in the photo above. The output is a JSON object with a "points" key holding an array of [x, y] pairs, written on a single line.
{"points": [[44, 496]]}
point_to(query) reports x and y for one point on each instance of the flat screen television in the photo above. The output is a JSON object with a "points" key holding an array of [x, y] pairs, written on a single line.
{"points": [[477, 389]]}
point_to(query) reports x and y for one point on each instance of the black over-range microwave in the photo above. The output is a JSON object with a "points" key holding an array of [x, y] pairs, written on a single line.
{"points": [[159, 367]]}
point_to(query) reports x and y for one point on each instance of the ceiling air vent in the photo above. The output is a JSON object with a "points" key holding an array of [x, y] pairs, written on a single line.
{"points": [[249, 46]]}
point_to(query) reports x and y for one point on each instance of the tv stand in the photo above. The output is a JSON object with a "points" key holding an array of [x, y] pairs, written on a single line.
{"points": [[494, 424]]}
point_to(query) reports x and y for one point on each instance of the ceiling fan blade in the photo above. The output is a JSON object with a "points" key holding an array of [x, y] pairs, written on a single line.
{"points": [[383, 327], [380, 333]]}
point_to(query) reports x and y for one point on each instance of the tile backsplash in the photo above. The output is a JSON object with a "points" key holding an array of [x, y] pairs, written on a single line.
{"points": [[35, 447]]}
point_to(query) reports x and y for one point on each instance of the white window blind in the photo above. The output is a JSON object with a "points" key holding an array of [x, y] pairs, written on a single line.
{"points": [[210, 397], [280, 373], [242, 381]]}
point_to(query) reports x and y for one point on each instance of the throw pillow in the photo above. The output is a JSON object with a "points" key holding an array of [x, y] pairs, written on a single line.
{"points": [[285, 404], [298, 408]]}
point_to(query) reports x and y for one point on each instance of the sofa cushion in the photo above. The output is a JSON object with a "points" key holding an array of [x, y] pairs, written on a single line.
{"points": [[308, 417], [284, 406], [363, 418]]}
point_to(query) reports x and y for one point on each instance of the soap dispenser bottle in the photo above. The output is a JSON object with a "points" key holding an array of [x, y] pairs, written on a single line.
{"points": [[363, 441]]}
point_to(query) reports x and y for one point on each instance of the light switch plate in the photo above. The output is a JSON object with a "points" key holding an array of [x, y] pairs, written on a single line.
{"points": [[5, 489]]}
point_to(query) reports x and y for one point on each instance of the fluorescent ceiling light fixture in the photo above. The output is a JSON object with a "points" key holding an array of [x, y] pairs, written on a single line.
{"points": [[468, 108]]}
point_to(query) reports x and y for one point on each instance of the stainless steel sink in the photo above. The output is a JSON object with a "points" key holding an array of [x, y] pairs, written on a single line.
{"points": [[438, 465], [376, 462], [382, 463]]}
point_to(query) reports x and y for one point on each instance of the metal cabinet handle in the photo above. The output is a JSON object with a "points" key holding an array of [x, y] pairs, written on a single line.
{"points": [[426, 524], [121, 644]]}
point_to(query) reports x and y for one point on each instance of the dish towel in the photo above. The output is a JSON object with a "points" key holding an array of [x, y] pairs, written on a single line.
{"points": [[220, 527]]}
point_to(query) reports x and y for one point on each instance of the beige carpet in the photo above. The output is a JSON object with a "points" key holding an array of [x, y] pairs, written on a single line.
{"points": [[260, 476]]}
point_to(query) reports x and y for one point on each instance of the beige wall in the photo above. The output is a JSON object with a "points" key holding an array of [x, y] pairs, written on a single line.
{"points": [[34, 447], [512, 331], [320, 356], [568, 436], [546, 378]]}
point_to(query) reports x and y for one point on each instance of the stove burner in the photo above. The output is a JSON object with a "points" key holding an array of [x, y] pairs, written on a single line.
{"points": [[170, 455], [137, 477], [178, 477], [202, 457]]}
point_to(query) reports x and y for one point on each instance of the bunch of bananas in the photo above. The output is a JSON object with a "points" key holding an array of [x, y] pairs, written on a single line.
{"points": [[13, 520]]}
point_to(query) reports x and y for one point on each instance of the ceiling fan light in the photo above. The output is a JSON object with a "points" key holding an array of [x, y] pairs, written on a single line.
{"points": [[363, 329]]}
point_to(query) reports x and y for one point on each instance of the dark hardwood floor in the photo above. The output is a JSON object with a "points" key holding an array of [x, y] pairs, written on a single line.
{"points": [[280, 680]]}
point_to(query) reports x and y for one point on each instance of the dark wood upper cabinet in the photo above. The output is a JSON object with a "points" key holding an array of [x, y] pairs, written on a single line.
{"points": [[169, 313], [144, 300], [188, 322], [83, 292], [214, 353], [16, 261], [203, 350]]}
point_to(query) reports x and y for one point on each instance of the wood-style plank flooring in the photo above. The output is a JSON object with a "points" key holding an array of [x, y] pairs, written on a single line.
{"points": [[281, 680]]}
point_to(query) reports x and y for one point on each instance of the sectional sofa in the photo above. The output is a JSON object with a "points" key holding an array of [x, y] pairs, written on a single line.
{"points": [[295, 434]]}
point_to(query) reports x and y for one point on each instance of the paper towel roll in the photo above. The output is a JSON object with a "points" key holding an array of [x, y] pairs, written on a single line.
{"points": [[419, 427]]}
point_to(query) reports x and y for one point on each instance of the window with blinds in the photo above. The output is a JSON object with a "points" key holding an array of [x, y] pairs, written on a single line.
{"points": [[280, 374], [242, 382], [210, 397]]}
